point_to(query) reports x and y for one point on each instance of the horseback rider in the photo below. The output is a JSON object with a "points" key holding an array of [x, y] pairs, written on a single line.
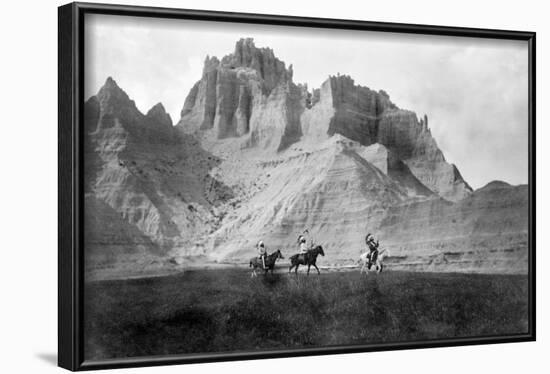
{"points": [[372, 245], [262, 252], [302, 243]]}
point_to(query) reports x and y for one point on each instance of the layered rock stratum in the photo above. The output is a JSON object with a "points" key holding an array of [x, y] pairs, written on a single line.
{"points": [[255, 156]]}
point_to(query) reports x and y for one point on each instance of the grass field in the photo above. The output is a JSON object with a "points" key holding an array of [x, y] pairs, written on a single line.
{"points": [[225, 310]]}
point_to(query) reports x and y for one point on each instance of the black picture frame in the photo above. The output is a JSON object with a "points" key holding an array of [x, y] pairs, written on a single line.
{"points": [[70, 177]]}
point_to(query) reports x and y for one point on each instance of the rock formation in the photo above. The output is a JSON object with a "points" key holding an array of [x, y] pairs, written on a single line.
{"points": [[343, 189], [255, 156], [250, 94], [145, 183], [370, 117], [247, 94], [486, 231]]}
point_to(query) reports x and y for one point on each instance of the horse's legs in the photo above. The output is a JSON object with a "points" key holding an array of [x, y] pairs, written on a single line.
{"points": [[290, 268], [296, 269], [308, 267], [318, 272]]}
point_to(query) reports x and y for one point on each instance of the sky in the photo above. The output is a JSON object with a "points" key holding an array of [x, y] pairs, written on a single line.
{"points": [[474, 91]]}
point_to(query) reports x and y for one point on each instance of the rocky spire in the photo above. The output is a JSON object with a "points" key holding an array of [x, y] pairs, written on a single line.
{"points": [[246, 82], [210, 64], [270, 69], [110, 91], [157, 114]]}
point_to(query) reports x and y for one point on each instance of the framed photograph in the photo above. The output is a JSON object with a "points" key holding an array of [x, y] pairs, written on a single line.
{"points": [[244, 186]]}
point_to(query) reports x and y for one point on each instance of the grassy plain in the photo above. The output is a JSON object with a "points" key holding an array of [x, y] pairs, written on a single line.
{"points": [[224, 310]]}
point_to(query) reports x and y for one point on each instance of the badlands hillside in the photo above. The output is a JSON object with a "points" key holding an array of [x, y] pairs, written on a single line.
{"points": [[256, 156]]}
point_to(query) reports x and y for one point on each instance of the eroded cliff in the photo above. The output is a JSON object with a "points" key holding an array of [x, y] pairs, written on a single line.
{"points": [[248, 94], [152, 179]]}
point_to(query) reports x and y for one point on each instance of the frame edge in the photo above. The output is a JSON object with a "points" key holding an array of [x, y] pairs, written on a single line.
{"points": [[532, 105], [69, 95], [67, 287]]}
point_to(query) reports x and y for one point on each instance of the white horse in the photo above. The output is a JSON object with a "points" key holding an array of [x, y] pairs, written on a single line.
{"points": [[378, 265]]}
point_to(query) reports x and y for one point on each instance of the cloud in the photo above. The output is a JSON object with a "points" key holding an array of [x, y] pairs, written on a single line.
{"points": [[474, 91]]}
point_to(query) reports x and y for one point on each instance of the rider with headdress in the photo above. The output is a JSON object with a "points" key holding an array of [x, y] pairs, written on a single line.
{"points": [[372, 245], [262, 252], [302, 243]]}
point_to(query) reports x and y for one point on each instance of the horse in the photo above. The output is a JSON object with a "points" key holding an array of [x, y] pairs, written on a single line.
{"points": [[309, 258], [379, 266], [256, 262]]}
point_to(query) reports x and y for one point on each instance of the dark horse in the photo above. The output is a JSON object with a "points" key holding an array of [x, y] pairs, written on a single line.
{"points": [[309, 258], [256, 262]]}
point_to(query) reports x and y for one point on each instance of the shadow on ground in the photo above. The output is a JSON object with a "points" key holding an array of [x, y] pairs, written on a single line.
{"points": [[50, 358]]}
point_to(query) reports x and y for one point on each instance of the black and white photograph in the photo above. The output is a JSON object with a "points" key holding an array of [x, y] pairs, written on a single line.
{"points": [[254, 188], [274, 187]]}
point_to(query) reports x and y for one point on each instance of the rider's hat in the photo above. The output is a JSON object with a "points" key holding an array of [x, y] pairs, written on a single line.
{"points": [[302, 239], [260, 243]]}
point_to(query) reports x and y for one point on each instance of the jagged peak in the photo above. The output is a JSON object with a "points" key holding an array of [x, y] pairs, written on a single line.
{"points": [[342, 77], [246, 46], [347, 81], [343, 81], [158, 114], [110, 80], [245, 43], [110, 85], [111, 90], [210, 63], [458, 178], [343, 85], [263, 60], [424, 123], [157, 108]]}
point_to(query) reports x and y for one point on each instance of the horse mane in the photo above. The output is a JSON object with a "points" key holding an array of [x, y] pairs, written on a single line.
{"points": [[274, 254]]}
